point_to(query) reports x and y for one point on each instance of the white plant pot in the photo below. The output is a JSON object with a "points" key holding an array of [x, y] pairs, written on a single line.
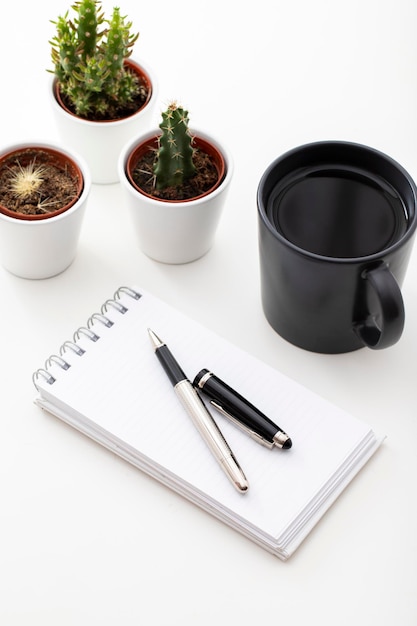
{"points": [[175, 232], [100, 143], [43, 248]]}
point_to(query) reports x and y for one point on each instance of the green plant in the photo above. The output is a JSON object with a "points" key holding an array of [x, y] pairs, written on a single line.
{"points": [[174, 161], [88, 54]]}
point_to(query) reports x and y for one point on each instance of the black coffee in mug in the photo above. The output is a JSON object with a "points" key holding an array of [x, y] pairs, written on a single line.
{"points": [[338, 212], [336, 226]]}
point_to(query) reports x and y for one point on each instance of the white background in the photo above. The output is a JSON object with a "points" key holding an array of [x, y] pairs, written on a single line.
{"points": [[86, 539]]}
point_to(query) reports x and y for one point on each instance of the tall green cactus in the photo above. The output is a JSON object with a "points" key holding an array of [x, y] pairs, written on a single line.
{"points": [[88, 54], [174, 162], [87, 26]]}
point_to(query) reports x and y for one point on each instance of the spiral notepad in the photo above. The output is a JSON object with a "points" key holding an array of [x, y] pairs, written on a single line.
{"points": [[107, 383]]}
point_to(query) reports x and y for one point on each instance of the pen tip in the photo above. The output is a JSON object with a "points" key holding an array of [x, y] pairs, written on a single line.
{"points": [[156, 342], [287, 445]]}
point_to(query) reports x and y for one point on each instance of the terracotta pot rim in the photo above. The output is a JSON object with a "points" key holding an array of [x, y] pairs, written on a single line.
{"points": [[62, 156], [200, 140], [143, 72]]}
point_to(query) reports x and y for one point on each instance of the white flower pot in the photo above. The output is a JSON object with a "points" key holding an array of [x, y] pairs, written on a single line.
{"points": [[180, 231], [100, 143], [45, 247]]}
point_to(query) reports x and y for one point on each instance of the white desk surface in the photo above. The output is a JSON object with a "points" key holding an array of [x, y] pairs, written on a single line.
{"points": [[85, 538]]}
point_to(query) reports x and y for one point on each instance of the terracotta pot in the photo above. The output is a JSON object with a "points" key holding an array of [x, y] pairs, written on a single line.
{"points": [[152, 144], [131, 65], [56, 158], [175, 231], [44, 246], [100, 142]]}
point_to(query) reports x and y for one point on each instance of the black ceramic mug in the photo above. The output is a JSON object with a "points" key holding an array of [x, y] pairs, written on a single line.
{"points": [[336, 227]]}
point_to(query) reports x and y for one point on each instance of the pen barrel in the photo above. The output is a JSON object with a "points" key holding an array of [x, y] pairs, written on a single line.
{"points": [[202, 419], [235, 405], [170, 365], [210, 432]]}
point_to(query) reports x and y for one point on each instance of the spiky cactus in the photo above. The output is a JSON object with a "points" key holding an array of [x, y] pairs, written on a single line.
{"points": [[88, 54], [174, 162]]}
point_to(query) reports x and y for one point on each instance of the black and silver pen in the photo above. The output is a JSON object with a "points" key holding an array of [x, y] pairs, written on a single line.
{"points": [[199, 414], [244, 414]]}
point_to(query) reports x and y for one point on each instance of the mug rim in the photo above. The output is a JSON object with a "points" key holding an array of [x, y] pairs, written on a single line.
{"points": [[262, 204]]}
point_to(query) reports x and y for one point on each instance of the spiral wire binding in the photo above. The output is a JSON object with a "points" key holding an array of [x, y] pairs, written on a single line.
{"points": [[127, 290], [87, 331], [58, 360], [71, 346], [100, 318], [115, 304]]}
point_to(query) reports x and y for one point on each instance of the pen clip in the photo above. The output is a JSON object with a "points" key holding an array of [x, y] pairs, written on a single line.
{"points": [[249, 431]]}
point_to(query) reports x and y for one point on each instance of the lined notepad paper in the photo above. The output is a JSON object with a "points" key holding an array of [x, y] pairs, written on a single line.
{"points": [[107, 383]]}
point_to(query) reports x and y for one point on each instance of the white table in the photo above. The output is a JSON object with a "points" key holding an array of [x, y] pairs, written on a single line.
{"points": [[87, 539]]}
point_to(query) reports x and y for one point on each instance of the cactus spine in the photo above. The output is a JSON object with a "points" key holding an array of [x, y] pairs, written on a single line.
{"points": [[174, 162], [88, 56]]}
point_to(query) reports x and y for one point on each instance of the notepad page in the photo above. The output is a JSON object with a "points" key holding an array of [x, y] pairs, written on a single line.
{"points": [[119, 388]]}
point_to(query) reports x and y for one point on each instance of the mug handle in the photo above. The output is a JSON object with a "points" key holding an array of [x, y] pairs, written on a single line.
{"points": [[390, 300]]}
